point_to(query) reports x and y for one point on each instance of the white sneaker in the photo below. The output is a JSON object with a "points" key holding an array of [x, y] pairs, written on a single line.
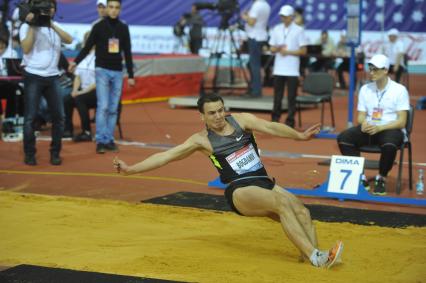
{"points": [[334, 255]]}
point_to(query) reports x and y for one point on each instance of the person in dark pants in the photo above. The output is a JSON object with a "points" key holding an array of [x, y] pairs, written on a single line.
{"points": [[42, 47], [196, 23], [288, 43], [382, 115], [342, 53], [228, 141], [9, 90], [65, 83], [84, 94], [256, 28]]}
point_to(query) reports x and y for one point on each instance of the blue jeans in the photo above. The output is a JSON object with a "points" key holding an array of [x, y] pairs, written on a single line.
{"points": [[255, 52], [108, 93], [34, 88]]}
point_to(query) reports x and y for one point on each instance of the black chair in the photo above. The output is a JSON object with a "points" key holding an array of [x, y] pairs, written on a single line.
{"points": [[319, 89], [120, 108], [405, 144]]}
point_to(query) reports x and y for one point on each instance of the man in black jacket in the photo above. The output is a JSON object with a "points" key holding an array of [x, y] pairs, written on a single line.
{"points": [[112, 38]]}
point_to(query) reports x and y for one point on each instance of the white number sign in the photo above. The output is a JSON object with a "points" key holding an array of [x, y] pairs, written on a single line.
{"points": [[345, 174]]}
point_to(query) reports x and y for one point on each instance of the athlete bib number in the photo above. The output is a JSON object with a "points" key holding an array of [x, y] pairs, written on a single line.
{"points": [[245, 160]]}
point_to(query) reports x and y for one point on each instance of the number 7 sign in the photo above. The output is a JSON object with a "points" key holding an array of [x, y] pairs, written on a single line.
{"points": [[345, 174]]}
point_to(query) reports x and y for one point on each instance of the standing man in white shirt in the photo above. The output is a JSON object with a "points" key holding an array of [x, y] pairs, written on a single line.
{"points": [[256, 27], [41, 44], [288, 42], [382, 115], [395, 51]]}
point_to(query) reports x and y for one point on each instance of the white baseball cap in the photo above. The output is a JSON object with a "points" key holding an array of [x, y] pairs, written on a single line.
{"points": [[286, 11], [379, 61], [101, 2], [393, 31]]}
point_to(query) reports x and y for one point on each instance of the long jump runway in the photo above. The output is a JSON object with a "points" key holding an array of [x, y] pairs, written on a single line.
{"points": [[64, 236]]}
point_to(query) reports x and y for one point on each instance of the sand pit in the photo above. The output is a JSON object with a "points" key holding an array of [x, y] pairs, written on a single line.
{"points": [[194, 245]]}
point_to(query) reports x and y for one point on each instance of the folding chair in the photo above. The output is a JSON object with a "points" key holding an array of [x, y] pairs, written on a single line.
{"points": [[319, 89]]}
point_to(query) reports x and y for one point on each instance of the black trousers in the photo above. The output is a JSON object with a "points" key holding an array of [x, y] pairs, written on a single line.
{"points": [[352, 139], [343, 67], [279, 86], [83, 103], [68, 110], [14, 103], [195, 45], [398, 73]]}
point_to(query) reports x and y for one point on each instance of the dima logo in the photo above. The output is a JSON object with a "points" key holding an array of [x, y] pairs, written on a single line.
{"points": [[346, 161]]}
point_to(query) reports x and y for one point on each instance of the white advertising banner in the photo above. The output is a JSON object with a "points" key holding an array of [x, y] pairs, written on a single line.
{"points": [[155, 39]]}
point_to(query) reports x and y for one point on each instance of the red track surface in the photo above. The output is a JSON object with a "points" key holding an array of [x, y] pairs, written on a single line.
{"points": [[87, 174]]}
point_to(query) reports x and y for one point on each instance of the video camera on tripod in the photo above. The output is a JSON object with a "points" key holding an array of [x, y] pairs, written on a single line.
{"points": [[40, 9], [226, 8]]}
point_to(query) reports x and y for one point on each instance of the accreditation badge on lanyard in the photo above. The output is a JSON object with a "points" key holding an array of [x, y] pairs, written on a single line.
{"points": [[378, 111], [113, 45], [377, 114]]}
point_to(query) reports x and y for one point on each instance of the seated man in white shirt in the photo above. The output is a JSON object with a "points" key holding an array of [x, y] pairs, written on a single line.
{"points": [[382, 115], [84, 94], [326, 62]]}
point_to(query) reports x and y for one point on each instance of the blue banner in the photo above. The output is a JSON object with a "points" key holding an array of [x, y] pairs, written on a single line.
{"points": [[405, 15]]}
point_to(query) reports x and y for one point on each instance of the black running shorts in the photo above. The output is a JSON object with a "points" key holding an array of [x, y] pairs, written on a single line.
{"points": [[262, 182]]}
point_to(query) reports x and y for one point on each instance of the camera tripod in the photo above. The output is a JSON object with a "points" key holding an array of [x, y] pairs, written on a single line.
{"points": [[225, 78]]}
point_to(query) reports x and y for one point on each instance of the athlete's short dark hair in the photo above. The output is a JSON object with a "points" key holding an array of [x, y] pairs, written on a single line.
{"points": [[206, 99]]}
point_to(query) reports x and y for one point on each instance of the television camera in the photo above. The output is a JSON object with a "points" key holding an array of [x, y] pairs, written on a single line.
{"points": [[226, 8], [40, 9]]}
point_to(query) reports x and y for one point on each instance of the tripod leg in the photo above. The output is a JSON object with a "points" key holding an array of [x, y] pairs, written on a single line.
{"points": [[239, 60], [221, 45]]}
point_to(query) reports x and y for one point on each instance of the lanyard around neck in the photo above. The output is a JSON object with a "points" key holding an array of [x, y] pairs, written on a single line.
{"points": [[286, 32], [380, 96]]}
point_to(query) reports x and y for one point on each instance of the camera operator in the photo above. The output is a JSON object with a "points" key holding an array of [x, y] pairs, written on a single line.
{"points": [[41, 44], [195, 23], [256, 24]]}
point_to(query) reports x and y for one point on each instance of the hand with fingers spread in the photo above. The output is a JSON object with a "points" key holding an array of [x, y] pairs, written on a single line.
{"points": [[310, 132]]}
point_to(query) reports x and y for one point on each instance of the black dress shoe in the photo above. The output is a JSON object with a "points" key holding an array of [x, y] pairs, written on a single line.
{"points": [[67, 134], [30, 160], [100, 148], [83, 137], [55, 159], [111, 147]]}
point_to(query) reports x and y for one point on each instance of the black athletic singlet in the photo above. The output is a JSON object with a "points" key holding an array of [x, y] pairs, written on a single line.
{"points": [[235, 156]]}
